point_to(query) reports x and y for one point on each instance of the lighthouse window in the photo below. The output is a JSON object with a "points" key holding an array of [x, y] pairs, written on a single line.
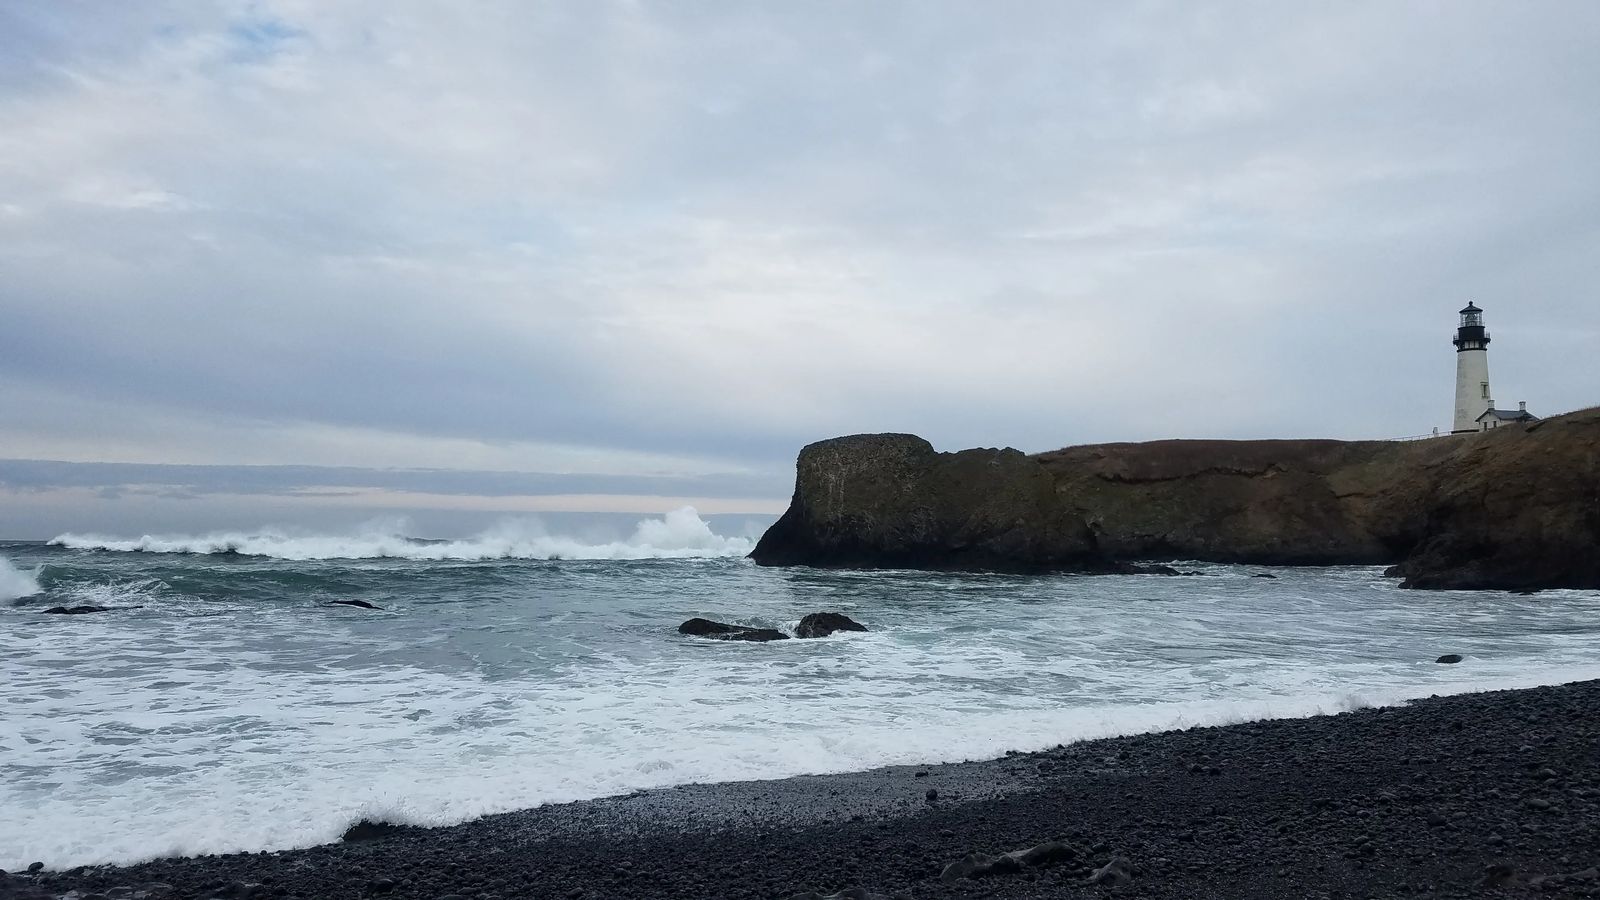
{"points": [[1485, 386]]}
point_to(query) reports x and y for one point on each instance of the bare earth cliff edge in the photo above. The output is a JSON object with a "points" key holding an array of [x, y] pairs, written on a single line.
{"points": [[1514, 508]]}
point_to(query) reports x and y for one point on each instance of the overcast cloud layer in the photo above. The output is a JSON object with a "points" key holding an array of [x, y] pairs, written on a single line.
{"points": [[621, 243]]}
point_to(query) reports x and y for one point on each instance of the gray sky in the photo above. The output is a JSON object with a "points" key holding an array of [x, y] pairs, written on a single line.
{"points": [[620, 256]]}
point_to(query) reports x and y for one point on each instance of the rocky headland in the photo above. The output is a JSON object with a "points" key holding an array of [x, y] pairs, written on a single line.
{"points": [[1516, 508]]}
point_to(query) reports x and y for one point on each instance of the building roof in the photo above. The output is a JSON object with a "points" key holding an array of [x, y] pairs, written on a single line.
{"points": [[1507, 415], [1471, 308]]}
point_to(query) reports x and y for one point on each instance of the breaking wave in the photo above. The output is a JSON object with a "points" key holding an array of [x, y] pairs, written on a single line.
{"points": [[680, 534], [15, 583]]}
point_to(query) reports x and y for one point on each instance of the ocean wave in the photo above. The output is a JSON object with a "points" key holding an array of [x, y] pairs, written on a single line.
{"points": [[680, 534], [213, 723], [15, 583]]}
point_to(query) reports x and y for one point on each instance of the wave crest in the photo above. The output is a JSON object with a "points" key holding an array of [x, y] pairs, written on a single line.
{"points": [[15, 583], [680, 534]]}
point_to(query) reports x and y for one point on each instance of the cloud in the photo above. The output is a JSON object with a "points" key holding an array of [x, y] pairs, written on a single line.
{"points": [[658, 240], [113, 479]]}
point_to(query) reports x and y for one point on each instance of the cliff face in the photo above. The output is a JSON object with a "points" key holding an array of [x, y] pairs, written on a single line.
{"points": [[889, 500], [1518, 507], [1513, 510]]}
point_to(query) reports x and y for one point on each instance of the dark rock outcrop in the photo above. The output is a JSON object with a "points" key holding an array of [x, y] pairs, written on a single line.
{"points": [[369, 830], [698, 627], [981, 865], [1516, 508], [77, 610], [1115, 873], [361, 604], [825, 623], [722, 631]]}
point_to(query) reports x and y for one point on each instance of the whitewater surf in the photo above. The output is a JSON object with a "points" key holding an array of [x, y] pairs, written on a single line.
{"points": [[240, 709]]}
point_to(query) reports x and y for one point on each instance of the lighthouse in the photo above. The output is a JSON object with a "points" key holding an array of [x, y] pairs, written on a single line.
{"points": [[1472, 371]]}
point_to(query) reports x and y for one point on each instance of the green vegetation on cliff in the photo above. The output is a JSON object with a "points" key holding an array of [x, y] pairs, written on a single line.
{"points": [[1514, 508]]}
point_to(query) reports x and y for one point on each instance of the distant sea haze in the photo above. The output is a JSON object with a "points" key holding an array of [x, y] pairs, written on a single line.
{"points": [[224, 701]]}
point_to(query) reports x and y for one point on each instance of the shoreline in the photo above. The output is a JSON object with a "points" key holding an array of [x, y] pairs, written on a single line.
{"points": [[1421, 799]]}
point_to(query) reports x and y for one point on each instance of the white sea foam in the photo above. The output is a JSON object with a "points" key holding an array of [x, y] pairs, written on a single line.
{"points": [[680, 534], [15, 583], [269, 726], [316, 755]]}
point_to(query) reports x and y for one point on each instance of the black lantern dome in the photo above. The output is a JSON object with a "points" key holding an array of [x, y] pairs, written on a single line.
{"points": [[1472, 335]]}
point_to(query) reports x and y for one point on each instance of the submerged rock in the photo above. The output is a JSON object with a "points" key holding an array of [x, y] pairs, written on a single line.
{"points": [[77, 610], [823, 624], [722, 631], [1158, 570], [1449, 659], [759, 635], [358, 603]]}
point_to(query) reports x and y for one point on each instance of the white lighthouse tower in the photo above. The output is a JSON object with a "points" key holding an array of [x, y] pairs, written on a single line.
{"points": [[1472, 371]]}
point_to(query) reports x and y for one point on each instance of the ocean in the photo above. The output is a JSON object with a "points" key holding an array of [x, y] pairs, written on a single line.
{"points": [[227, 704]]}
